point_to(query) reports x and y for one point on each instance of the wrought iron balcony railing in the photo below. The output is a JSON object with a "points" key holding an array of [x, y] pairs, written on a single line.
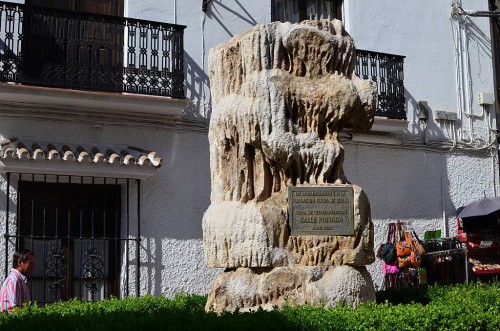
{"points": [[387, 71], [59, 48]]}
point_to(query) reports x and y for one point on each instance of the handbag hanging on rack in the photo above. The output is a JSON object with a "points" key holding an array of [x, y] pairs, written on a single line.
{"points": [[404, 261], [417, 245], [388, 250], [403, 248], [390, 268], [415, 258]]}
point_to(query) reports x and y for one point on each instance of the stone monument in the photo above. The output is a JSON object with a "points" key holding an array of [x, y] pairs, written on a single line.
{"points": [[284, 221]]}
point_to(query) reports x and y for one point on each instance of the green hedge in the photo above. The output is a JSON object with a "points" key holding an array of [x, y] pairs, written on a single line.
{"points": [[459, 307]]}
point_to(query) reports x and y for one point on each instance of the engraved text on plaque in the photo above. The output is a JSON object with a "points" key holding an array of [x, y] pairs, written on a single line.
{"points": [[321, 210]]}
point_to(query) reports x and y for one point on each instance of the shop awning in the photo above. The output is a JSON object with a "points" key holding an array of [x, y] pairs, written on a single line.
{"points": [[39, 157]]}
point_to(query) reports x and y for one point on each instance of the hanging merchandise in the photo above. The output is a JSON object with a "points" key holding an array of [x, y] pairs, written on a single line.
{"points": [[403, 248], [417, 245], [415, 257], [416, 260], [404, 261], [481, 235], [399, 258], [388, 251], [390, 268], [407, 277]]}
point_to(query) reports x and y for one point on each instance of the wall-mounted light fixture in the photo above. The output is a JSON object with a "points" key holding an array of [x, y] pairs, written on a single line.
{"points": [[204, 5]]}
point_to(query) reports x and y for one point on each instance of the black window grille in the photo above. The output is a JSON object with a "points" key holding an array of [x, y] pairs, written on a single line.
{"points": [[299, 10], [80, 232], [80, 50], [387, 71]]}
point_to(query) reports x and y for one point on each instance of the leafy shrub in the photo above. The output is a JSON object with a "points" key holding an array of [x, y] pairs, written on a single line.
{"points": [[458, 307]]}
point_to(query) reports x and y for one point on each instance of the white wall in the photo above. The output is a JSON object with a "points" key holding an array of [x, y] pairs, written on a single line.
{"points": [[416, 185], [401, 183], [423, 32], [172, 201]]}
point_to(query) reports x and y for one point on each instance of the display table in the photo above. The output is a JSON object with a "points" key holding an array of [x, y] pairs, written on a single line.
{"points": [[482, 236], [484, 259]]}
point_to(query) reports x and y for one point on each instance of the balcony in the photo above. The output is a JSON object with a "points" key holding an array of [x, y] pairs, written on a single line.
{"points": [[387, 71], [84, 51]]}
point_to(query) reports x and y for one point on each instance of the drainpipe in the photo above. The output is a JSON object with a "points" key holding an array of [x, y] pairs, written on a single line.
{"points": [[445, 221], [175, 11]]}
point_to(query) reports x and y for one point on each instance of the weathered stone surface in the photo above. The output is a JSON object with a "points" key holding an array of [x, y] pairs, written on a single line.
{"points": [[255, 235], [339, 250], [250, 288], [281, 93], [349, 285], [246, 234]]}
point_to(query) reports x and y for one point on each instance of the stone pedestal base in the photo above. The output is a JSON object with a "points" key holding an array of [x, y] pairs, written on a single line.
{"points": [[256, 235], [248, 289]]}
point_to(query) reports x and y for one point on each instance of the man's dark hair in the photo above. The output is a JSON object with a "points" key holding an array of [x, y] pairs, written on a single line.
{"points": [[21, 255]]}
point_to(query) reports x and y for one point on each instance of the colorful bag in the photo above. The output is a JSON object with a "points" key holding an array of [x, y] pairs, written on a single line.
{"points": [[415, 259], [403, 247], [417, 245], [390, 268], [404, 262]]}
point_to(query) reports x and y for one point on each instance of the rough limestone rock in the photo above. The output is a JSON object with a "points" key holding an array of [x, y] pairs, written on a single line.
{"points": [[281, 93], [347, 285], [250, 288], [253, 235]]}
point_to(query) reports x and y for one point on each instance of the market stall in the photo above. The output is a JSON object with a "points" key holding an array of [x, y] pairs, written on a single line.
{"points": [[409, 262], [479, 228]]}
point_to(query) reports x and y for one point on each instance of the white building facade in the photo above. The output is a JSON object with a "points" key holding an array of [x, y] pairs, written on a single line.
{"points": [[109, 184]]}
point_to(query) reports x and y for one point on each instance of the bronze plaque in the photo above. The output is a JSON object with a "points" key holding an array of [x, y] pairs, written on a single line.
{"points": [[321, 210]]}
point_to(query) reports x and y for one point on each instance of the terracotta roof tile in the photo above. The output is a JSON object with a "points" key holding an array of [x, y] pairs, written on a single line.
{"points": [[30, 150]]}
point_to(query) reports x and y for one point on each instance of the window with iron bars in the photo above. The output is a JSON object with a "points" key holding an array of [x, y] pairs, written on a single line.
{"points": [[79, 229], [299, 10]]}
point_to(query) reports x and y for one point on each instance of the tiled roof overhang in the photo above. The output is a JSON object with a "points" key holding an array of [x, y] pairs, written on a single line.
{"points": [[25, 156]]}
